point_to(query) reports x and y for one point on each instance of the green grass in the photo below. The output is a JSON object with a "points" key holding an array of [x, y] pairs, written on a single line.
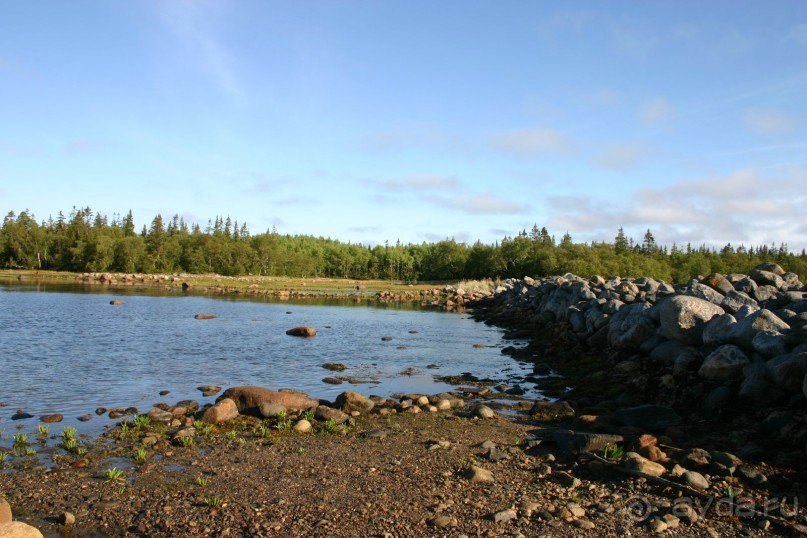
{"points": [[230, 435], [69, 433], [201, 481], [265, 431], [3, 457], [140, 455], [20, 439], [142, 422], [329, 426], [186, 441], [203, 428], [284, 425], [214, 501], [613, 452], [113, 475], [308, 415], [42, 430]]}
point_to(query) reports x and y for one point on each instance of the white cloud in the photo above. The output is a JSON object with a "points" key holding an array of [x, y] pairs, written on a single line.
{"points": [[619, 156], [743, 207], [656, 111], [532, 143], [417, 183], [769, 122], [482, 204]]}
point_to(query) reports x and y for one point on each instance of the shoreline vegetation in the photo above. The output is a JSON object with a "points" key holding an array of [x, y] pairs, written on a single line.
{"points": [[90, 241], [594, 460]]}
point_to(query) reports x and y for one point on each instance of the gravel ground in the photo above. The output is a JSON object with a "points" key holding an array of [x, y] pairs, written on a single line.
{"points": [[409, 477]]}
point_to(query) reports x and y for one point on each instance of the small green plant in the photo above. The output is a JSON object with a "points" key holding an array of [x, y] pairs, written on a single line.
{"points": [[201, 481], [113, 475], [81, 450], [42, 430], [20, 439], [308, 415], [30, 451], [284, 425], [69, 433], [230, 435], [613, 452], [280, 416], [329, 426], [214, 501], [186, 441], [3, 457], [69, 444], [203, 428], [124, 428], [140, 455], [142, 421], [265, 431]]}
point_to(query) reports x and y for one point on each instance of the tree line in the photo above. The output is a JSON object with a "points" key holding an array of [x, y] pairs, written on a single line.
{"points": [[88, 241]]}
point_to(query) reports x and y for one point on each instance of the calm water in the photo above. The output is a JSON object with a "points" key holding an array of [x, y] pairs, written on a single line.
{"points": [[71, 351]]}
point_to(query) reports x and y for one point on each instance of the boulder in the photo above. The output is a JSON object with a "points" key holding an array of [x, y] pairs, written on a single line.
{"points": [[302, 426], [51, 419], [224, 410], [350, 401], [630, 327], [704, 292], [116, 302], [18, 529], [756, 388], [543, 410], [248, 399], [718, 330], [204, 316], [160, 416], [719, 283], [271, 409], [724, 364], [303, 331], [788, 371], [325, 413], [5, 511], [734, 300], [744, 331], [683, 318], [769, 343], [649, 417], [636, 462]]}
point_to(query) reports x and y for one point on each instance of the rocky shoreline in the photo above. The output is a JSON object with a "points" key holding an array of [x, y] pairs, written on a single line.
{"points": [[638, 438]]}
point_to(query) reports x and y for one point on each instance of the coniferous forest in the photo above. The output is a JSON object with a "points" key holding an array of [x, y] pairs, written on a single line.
{"points": [[89, 241]]}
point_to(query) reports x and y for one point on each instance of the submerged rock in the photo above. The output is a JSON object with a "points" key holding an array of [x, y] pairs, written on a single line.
{"points": [[248, 399], [303, 331]]}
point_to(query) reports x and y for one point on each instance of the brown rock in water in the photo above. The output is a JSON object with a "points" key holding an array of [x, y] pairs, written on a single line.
{"points": [[332, 380], [224, 410], [353, 401], [85, 418], [209, 390], [249, 399], [204, 316], [302, 331], [51, 419], [334, 366], [116, 302]]}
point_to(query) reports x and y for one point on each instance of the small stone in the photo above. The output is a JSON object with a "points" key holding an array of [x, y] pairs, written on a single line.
{"points": [[764, 525], [51, 419], [505, 515], [635, 462], [672, 521], [443, 405], [482, 411], [209, 390], [583, 524], [442, 522], [568, 481], [67, 519], [302, 426], [576, 510], [334, 366], [478, 474], [204, 316], [657, 525], [332, 380], [374, 434], [696, 480]]}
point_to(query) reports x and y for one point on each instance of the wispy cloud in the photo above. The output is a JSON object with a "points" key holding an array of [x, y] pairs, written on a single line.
{"points": [[417, 183], [195, 25], [533, 143], [482, 204], [745, 206], [656, 111], [769, 122], [620, 156], [406, 138]]}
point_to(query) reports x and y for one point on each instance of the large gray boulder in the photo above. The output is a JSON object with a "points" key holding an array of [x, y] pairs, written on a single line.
{"points": [[719, 283], [718, 330], [683, 318], [788, 371], [724, 364], [734, 300], [630, 327], [762, 320], [769, 344], [756, 388], [703, 291]]}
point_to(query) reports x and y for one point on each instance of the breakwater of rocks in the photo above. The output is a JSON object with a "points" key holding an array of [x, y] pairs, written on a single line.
{"points": [[727, 346]]}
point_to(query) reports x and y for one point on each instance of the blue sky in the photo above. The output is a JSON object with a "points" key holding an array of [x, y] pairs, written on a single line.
{"points": [[369, 121]]}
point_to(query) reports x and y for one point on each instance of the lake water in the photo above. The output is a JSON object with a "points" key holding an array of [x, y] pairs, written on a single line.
{"points": [[65, 349]]}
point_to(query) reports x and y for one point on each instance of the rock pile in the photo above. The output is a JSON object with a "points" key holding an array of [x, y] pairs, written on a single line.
{"points": [[717, 341]]}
